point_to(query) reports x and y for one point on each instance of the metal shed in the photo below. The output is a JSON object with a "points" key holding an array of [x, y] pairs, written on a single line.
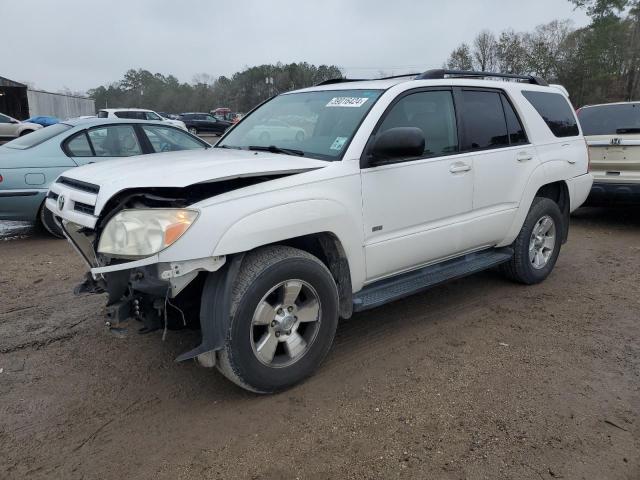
{"points": [[59, 105], [17, 101], [13, 99]]}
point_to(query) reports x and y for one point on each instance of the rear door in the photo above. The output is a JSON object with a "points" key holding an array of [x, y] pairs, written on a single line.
{"points": [[503, 159]]}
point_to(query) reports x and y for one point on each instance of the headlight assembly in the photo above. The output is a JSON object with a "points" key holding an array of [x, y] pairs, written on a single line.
{"points": [[143, 232]]}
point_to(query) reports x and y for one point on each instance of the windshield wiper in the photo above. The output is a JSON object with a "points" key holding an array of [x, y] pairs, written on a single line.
{"points": [[628, 130], [274, 149]]}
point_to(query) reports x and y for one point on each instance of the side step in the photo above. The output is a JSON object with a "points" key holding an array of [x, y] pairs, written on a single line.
{"points": [[405, 284]]}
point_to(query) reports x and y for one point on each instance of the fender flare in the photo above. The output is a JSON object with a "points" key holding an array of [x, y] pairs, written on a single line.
{"points": [[282, 222], [538, 179]]}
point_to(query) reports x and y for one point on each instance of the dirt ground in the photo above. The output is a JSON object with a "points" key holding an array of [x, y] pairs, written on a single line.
{"points": [[477, 379]]}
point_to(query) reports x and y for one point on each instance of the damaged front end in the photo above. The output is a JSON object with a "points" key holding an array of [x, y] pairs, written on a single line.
{"points": [[159, 295]]}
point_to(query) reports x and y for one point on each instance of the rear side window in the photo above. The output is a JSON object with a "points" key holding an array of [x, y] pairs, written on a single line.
{"points": [[514, 126], [115, 141], [103, 114], [484, 120], [78, 146], [555, 111]]}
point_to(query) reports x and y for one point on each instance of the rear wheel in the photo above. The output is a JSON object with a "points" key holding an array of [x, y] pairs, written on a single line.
{"points": [[283, 319], [537, 246], [49, 223]]}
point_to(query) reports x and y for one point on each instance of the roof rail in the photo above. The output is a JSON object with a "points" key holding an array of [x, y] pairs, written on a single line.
{"points": [[440, 73], [338, 80]]}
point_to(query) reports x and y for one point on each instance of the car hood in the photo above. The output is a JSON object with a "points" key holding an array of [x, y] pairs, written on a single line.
{"points": [[180, 169]]}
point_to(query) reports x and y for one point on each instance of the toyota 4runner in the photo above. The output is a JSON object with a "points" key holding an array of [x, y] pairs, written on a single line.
{"points": [[396, 185]]}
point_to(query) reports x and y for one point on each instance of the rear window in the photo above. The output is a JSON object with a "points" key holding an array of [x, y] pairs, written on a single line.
{"points": [[555, 111], [37, 137], [103, 114], [610, 119]]}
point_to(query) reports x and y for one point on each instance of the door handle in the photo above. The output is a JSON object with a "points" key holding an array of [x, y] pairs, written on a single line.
{"points": [[524, 156], [459, 168], [571, 160]]}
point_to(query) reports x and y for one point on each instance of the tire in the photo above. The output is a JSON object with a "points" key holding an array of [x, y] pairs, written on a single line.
{"points": [[193, 130], [522, 267], [25, 132], [48, 223], [266, 277]]}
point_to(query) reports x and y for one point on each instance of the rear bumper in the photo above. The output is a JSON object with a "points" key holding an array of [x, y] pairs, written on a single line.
{"points": [[614, 193], [579, 188]]}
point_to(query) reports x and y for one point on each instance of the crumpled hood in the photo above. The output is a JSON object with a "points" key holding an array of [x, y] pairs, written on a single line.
{"points": [[179, 169]]}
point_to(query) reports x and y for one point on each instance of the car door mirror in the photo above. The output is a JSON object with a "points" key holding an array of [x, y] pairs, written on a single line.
{"points": [[395, 143]]}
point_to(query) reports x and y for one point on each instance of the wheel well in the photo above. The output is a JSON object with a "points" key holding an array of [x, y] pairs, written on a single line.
{"points": [[327, 247], [559, 193]]}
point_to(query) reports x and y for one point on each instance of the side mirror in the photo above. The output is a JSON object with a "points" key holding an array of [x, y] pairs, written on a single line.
{"points": [[400, 142]]}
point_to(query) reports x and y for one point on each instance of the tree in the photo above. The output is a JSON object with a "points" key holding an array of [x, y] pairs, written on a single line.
{"points": [[460, 58], [484, 51]]}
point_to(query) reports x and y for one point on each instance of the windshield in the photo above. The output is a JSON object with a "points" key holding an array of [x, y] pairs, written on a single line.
{"points": [[319, 124], [610, 119], [37, 137]]}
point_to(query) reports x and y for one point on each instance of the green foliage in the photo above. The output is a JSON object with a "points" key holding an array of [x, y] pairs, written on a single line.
{"points": [[241, 92], [597, 64]]}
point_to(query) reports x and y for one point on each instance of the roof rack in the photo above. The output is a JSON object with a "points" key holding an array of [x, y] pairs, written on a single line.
{"points": [[339, 80], [440, 74]]}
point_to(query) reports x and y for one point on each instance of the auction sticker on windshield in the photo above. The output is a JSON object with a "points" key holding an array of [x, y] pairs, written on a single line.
{"points": [[347, 102], [338, 143]]}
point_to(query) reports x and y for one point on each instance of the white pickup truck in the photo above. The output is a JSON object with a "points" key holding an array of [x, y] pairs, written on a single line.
{"points": [[397, 185]]}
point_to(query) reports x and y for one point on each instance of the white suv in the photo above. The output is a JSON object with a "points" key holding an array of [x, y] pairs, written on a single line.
{"points": [[138, 114], [397, 185]]}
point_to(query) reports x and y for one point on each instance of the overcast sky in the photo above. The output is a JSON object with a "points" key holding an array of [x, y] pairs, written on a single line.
{"points": [[80, 44]]}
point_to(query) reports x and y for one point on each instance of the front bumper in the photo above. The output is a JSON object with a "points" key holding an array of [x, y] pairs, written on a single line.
{"points": [[603, 193]]}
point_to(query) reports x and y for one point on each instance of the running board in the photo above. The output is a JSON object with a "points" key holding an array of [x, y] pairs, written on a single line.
{"points": [[405, 284]]}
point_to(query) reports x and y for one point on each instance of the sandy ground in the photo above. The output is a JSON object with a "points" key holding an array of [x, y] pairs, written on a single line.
{"points": [[477, 379]]}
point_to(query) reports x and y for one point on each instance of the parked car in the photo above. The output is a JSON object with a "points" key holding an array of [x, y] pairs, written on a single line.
{"points": [[204, 123], [43, 120], [11, 128], [30, 163], [275, 130], [403, 184], [613, 133], [169, 116], [138, 114]]}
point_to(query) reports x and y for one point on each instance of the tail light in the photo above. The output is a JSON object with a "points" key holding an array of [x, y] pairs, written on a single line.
{"points": [[588, 155]]}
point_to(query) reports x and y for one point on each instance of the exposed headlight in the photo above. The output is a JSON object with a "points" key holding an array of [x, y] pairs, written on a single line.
{"points": [[143, 232]]}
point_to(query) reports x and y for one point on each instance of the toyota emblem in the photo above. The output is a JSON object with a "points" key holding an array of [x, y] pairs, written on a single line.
{"points": [[60, 202]]}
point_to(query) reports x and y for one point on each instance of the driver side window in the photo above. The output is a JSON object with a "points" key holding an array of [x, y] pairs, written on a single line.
{"points": [[433, 113], [167, 139]]}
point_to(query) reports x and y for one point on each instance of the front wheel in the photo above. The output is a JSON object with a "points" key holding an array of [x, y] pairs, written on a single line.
{"points": [[48, 222], [537, 246], [284, 314]]}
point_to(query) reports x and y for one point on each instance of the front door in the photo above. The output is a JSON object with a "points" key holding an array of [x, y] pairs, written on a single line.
{"points": [[414, 209]]}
